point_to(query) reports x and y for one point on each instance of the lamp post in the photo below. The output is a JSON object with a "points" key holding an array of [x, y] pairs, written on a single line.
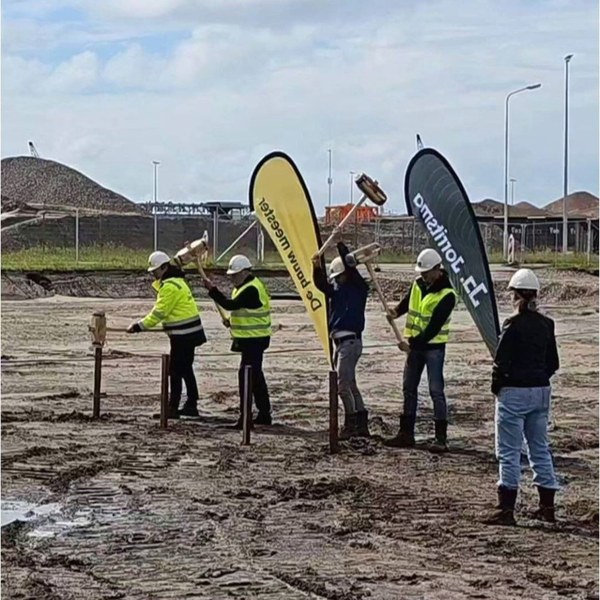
{"points": [[566, 157], [155, 163], [329, 179], [512, 191], [506, 107], [352, 174]]}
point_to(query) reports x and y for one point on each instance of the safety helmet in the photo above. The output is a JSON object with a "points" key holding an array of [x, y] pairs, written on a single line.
{"points": [[157, 259], [428, 259], [336, 268], [238, 263], [524, 279]]}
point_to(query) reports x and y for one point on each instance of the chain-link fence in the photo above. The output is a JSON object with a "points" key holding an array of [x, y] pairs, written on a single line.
{"points": [[82, 232]]}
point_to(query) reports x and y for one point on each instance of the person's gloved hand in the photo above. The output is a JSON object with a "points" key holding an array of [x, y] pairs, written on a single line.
{"points": [[350, 260], [135, 327], [208, 284], [227, 323], [496, 387], [405, 347]]}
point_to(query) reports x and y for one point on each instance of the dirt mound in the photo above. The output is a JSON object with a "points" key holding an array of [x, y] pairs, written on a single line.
{"points": [[579, 204], [28, 180]]}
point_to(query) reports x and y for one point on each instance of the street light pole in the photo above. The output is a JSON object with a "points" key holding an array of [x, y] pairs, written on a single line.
{"points": [[155, 163], [506, 108], [352, 173], [566, 157], [329, 179]]}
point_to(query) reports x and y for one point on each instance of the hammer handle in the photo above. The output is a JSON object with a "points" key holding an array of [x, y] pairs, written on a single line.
{"points": [[338, 227], [382, 299], [224, 315]]}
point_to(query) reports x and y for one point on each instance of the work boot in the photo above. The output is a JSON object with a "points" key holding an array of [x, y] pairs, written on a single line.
{"points": [[405, 438], [263, 418], [440, 443], [190, 409], [545, 512], [505, 511], [350, 427], [362, 425]]}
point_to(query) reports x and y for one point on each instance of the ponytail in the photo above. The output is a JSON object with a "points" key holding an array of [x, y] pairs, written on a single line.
{"points": [[526, 300]]}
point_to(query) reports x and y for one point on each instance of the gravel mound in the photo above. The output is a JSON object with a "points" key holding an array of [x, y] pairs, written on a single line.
{"points": [[29, 180]]}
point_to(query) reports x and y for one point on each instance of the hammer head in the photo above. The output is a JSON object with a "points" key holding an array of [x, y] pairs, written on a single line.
{"points": [[98, 328], [371, 189], [193, 251], [366, 253]]}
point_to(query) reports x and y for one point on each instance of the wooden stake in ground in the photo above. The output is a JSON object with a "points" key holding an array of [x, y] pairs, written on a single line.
{"points": [[333, 413], [247, 406], [164, 391]]}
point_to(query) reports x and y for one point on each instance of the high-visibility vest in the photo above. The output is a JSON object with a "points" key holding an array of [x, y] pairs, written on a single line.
{"points": [[420, 310], [252, 322], [175, 308]]}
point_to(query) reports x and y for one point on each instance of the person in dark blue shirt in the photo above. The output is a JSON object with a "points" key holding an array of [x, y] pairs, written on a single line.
{"points": [[347, 292]]}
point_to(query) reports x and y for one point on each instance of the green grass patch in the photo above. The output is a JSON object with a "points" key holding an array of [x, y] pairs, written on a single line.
{"points": [[110, 258]]}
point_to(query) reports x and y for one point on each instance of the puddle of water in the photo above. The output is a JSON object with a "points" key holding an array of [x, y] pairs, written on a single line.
{"points": [[50, 519]]}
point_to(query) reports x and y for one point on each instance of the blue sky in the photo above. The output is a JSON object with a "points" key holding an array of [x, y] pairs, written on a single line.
{"points": [[209, 86]]}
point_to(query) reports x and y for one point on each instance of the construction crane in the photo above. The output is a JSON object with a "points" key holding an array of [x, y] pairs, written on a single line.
{"points": [[33, 150]]}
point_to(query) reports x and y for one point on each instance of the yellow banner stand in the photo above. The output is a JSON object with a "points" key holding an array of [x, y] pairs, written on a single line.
{"points": [[282, 204]]}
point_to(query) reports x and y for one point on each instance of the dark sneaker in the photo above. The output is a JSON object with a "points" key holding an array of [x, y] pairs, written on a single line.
{"points": [[189, 410], [263, 419], [438, 447], [402, 440]]}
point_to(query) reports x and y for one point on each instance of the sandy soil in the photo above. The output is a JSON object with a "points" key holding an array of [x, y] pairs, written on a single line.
{"points": [[189, 513]]}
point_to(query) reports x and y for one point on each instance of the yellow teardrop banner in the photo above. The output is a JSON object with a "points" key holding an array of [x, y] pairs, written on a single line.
{"points": [[282, 204]]}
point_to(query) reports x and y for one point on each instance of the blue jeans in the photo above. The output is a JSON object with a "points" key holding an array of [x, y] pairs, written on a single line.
{"points": [[416, 361], [345, 358], [524, 411]]}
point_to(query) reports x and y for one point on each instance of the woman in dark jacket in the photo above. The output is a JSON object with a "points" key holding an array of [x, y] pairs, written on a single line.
{"points": [[526, 359]]}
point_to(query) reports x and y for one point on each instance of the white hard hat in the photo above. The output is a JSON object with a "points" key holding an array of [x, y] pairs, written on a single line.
{"points": [[524, 279], [238, 263], [156, 260], [336, 268], [428, 259]]}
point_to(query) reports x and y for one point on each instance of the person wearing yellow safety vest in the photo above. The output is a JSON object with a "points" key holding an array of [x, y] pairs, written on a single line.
{"points": [[178, 312], [250, 323], [428, 306]]}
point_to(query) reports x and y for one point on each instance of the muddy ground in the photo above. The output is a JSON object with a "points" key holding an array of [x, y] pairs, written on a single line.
{"points": [[188, 513]]}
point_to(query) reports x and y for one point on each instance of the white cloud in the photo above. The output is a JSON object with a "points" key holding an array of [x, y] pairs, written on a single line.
{"points": [[242, 78]]}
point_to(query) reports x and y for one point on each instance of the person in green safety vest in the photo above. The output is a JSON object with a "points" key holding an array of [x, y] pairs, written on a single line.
{"points": [[250, 323], [177, 311], [428, 306]]}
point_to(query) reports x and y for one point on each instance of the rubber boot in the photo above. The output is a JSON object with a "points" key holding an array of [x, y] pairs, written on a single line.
{"points": [[405, 438], [362, 428], [440, 444], [505, 511], [545, 512], [350, 426]]}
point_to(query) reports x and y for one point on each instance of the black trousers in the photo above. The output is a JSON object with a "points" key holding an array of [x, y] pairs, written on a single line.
{"points": [[181, 368], [252, 355]]}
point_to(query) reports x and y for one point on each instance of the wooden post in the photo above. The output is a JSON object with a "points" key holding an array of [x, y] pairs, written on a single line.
{"points": [[333, 413], [164, 391], [247, 406], [97, 380]]}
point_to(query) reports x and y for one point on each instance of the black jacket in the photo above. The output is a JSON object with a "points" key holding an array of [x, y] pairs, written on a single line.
{"points": [[347, 301], [526, 355], [440, 313], [249, 298]]}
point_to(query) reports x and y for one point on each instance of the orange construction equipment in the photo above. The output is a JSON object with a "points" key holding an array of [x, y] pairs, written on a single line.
{"points": [[364, 214]]}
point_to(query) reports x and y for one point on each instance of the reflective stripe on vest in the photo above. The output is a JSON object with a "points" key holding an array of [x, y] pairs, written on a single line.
{"points": [[419, 314], [181, 315], [252, 322]]}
